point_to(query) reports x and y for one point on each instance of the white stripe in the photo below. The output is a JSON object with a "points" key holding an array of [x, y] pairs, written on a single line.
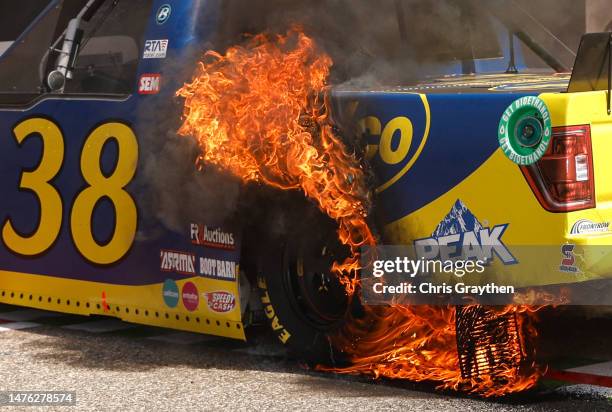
{"points": [[600, 369], [100, 326], [4, 327], [27, 314], [4, 45], [183, 338]]}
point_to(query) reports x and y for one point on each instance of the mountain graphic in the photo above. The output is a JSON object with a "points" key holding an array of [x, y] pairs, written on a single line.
{"points": [[458, 220]]}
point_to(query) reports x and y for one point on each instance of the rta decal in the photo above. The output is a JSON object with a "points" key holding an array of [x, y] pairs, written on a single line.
{"points": [[155, 49]]}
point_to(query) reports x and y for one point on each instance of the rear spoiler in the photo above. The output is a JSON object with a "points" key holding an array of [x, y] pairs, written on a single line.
{"points": [[593, 67]]}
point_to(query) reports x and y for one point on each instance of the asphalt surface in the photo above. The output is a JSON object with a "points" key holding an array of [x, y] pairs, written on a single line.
{"points": [[135, 369]]}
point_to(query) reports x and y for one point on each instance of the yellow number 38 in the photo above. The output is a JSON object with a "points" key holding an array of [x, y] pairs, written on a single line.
{"points": [[99, 186]]}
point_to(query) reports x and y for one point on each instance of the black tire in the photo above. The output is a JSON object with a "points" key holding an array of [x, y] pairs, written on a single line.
{"points": [[302, 322]]}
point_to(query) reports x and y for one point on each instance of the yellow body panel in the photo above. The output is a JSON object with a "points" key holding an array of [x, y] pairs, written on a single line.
{"points": [[498, 193], [137, 304]]}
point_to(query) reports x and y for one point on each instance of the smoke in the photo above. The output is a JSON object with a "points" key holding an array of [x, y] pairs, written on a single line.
{"points": [[372, 44], [178, 189]]}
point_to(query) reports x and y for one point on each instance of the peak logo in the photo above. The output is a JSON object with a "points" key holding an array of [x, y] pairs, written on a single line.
{"points": [[178, 262], [212, 237], [220, 302], [461, 235]]}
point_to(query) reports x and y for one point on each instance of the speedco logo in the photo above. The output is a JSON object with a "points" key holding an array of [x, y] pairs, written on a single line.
{"points": [[460, 234], [212, 237], [585, 226], [220, 302], [179, 262]]}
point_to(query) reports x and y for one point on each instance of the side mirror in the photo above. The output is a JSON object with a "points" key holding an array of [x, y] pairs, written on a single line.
{"points": [[56, 79]]}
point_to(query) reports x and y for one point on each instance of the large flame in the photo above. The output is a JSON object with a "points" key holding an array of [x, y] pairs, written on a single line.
{"points": [[257, 112]]}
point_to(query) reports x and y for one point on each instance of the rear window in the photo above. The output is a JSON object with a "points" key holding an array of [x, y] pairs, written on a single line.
{"points": [[387, 35], [399, 41]]}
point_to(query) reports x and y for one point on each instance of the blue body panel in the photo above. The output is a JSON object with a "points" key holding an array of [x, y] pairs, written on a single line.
{"points": [[77, 117], [461, 137]]}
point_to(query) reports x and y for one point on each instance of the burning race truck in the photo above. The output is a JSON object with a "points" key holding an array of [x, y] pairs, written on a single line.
{"points": [[206, 165]]}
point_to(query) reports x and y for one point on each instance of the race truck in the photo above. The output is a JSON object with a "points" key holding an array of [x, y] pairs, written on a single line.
{"points": [[473, 131]]}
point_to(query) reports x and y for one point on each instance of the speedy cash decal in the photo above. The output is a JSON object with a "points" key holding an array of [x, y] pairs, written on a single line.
{"points": [[220, 301], [180, 262]]}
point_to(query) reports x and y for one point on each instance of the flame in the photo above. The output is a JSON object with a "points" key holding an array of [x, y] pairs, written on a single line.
{"points": [[418, 343], [257, 112]]}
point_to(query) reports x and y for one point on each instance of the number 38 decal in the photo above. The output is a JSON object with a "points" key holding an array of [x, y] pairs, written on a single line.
{"points": [[98, 186]]}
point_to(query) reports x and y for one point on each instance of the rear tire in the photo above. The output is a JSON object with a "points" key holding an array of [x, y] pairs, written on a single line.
{"points": [[303, 302]]}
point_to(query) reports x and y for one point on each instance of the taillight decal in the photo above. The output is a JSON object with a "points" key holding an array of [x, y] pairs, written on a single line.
{"points": [[563, 180]]}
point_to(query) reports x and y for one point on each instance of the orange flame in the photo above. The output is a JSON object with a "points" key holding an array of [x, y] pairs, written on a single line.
{"points": [[257, 112], [418, 343]]}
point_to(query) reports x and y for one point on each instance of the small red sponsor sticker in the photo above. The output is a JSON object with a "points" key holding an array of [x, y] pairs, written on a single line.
{"points": [[221, 302], [190, 296], [149, 83]]}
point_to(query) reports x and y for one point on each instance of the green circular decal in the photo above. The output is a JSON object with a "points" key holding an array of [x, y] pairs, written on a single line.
{"points": [[525, 130], [170, 292]]}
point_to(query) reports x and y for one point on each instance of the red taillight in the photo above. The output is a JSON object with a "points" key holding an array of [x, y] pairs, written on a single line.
{"points": [[563, 179]]}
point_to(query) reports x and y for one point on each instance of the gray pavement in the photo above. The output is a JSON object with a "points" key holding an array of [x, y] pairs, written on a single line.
{"points": [[126, 371]]}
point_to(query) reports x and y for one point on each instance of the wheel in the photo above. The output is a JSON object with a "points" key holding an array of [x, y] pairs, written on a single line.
{"points": [[303, 301]]}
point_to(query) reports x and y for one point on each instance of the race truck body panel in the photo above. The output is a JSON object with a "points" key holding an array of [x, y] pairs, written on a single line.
{"points": [[80, 232], [442, 175]]}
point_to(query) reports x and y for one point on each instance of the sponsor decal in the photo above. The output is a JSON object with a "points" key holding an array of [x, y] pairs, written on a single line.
{"points": [[525, 130], [461, 235], [170, 293], [179, 262], [220, 302], [213, 237], [190, 296], [282, 333], [218, 269], [163, 14], [155, 49], [149, 83], [568, 262], [585, 227]]}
